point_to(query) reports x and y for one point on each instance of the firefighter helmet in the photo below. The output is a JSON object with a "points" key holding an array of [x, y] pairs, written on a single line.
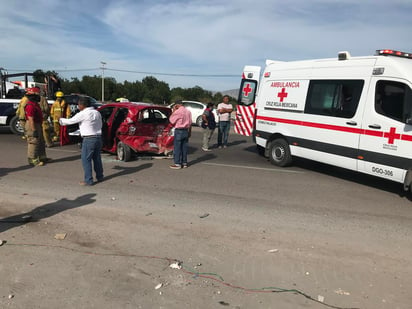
{"points": [[33, 91], [59, 94]]}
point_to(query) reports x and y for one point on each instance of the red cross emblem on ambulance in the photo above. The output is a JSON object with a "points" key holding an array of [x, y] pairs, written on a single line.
{"points": [[283, 94], [391, 135], [247, 90]]}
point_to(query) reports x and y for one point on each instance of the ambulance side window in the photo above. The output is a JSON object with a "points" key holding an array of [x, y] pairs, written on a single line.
{"points": [[337, 98], [393, 100]]}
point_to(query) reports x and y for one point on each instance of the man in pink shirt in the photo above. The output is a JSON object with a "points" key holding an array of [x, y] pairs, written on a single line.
{"points": [[181, 119]]}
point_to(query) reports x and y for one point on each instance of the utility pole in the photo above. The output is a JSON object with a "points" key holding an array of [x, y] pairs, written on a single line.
{"points": [[103, 64]]}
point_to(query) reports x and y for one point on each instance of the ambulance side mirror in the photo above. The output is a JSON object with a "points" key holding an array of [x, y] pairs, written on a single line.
{"points": [[408, 121]]}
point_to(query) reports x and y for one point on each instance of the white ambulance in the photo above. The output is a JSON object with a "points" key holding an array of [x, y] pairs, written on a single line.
{"points": [[352, 112]]}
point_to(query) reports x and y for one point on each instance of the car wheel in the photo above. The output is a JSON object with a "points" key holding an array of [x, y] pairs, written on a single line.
{"points": [[279, 153], [199, 121], [124, 153], [15, 126]]}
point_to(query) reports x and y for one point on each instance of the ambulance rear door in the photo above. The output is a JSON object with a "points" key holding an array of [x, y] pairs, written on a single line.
{"points": [[246, 107], [386, 143]]}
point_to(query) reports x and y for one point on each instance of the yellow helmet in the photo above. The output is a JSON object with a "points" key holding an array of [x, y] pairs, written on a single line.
{"points": [[59, 94]]}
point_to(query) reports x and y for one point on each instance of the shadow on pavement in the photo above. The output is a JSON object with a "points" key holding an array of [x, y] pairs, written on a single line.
{"points": [[45, 211], [209, 156], [6, 171], [126, 170], [353, 176], [238, 142], [251, 149], [66, 159], [191, 150]]}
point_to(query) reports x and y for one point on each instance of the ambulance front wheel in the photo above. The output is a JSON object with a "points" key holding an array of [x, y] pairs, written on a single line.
{"points": [[279, 153]]}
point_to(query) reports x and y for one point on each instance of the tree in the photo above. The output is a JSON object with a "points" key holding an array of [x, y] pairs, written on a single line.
{"points": [[156, 91], [149, 89], [38, 76]]}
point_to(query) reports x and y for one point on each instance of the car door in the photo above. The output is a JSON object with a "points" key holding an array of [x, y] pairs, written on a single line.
{"points": [[331, 128], [107, 118], [385, 146], [245, 110]]}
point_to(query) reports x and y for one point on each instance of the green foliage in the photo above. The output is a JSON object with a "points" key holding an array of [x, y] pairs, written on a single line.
{"points": [[38, 76], [150, 89]]}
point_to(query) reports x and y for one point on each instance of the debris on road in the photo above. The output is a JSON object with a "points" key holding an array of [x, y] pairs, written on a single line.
{"points": [[273, 250], [158, 286], [148, 214], [341, 292], [2, 242], [113, 198], [60, 236], [176, 265], [11, 296], [223, 303], [321, 298], [26, 218], [204, 216]]}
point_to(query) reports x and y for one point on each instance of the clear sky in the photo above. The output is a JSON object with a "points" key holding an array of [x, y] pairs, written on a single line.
{"points": [[202, 43]]}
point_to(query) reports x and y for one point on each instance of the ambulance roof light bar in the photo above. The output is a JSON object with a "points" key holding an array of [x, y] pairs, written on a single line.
{"points": [[391, 52]]}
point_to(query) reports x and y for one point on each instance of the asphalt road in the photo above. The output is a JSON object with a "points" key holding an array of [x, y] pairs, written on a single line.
{"points": [[247, 234]]}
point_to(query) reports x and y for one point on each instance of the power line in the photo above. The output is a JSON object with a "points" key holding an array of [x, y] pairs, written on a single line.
{"points": [[175, 74], [136, 72]]}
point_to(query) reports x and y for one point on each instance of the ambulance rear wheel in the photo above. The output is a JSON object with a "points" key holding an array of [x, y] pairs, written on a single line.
{"points": [[279, 153], [124, 153]]}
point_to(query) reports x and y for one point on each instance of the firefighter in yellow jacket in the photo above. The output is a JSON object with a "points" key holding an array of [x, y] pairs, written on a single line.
{"points": [[21, 114], [58, 110], [44, 106]]}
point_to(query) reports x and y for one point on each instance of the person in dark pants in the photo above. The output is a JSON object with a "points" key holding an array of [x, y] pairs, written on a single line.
{"points": [[224, 110], [181, 119], [90, 125], [208, 125]]}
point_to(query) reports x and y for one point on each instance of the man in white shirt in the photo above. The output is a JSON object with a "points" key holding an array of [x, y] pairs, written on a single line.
{"points": [[224, 110], [90, 125]]}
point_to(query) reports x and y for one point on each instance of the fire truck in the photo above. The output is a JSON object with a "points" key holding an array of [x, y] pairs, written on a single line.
{"points": [[10, 94], [351, 112]]}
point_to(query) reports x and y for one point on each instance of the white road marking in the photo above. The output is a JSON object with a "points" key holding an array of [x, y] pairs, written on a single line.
{"points": [[256, 168]]}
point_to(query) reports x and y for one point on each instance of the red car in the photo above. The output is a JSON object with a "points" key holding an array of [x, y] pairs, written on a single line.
{"points": [[129, 128]]}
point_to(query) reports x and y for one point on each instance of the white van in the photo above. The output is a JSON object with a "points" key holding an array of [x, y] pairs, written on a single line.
{"points": [[352, 112]]}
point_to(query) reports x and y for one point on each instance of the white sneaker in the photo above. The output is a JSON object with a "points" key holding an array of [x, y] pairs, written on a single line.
{"points": [[206, 149]]}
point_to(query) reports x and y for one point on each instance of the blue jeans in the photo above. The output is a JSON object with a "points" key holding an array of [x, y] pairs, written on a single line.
{"points": [[180, 144], [223, 133], [91, 149]]}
